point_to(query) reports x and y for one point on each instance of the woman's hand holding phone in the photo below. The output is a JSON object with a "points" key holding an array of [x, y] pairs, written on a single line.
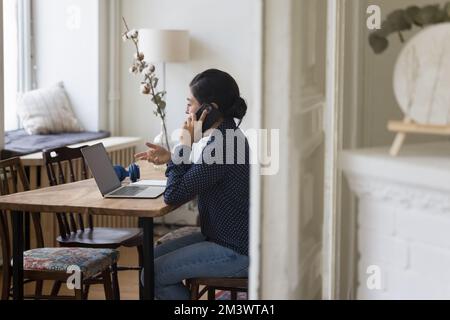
{"points": [[192, 129], [155, 154]]}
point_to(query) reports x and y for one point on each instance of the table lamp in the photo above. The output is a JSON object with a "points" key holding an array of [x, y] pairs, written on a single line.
{"points": [[164, 46]]}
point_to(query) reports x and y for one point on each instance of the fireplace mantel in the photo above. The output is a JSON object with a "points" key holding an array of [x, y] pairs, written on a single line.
{"points": [[403, 219]]}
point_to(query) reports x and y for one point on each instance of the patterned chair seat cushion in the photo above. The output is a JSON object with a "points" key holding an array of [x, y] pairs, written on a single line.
{"points": [[178, 233], [90, 261]]}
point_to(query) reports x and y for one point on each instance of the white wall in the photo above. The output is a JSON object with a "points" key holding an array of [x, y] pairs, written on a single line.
{"points": [[68, 51], [223, 36], [378, 102]]}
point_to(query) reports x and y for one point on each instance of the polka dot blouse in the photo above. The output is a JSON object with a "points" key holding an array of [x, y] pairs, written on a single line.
{"points": [[221, 182]]}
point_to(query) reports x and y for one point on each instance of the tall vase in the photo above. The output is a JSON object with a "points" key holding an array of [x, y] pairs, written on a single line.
{"points": [[161, 139]]}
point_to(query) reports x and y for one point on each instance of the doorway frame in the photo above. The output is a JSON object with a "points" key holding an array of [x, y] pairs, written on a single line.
{"points": [[333, 125], [333, 146]]}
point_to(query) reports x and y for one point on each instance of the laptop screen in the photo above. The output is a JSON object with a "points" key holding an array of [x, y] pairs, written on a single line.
{"points": [[101, 167]]}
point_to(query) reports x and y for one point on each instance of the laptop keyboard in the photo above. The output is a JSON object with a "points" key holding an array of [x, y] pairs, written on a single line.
{"points": [[128, 191]]}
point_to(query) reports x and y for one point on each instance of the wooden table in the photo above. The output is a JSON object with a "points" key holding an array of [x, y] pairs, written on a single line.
{"points": [[84, 197]]}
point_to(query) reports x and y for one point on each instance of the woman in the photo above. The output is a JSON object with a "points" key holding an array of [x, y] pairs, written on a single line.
{"points": [[222, 188]]}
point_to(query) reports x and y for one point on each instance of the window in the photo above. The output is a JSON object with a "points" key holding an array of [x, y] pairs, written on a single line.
{"points": [[17, 56], [10, 63]]}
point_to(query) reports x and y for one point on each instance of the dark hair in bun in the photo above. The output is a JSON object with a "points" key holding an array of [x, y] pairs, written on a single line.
{"points": [[239, 109], [215, 86]]}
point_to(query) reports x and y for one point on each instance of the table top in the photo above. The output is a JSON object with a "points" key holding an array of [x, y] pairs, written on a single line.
{"points": [[84, 197]]}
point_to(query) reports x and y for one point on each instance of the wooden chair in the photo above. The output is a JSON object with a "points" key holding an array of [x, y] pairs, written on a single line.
{"points": [[72, 230], [210, 285], [234, 285], [47, 263]]}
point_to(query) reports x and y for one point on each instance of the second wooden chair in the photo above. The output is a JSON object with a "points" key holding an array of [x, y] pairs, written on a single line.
{"points": [[41, 263], [63, 165]]}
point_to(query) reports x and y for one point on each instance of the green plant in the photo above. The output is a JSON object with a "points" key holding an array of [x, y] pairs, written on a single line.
{"points": [[402, 20]]}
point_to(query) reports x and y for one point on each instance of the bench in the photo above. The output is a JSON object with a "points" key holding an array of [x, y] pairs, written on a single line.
{"points": [[19, 142]]}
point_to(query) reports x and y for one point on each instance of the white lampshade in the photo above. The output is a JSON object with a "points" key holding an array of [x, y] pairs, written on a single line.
{"points": [[164, 45]]}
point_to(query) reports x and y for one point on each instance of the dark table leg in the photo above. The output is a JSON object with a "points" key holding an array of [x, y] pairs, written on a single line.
{"points": [[17, 219], [27, 238], [147, 292], [141, 264]]}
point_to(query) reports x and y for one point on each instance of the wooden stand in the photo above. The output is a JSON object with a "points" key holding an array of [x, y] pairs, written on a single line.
{"points": [[409, 126]]}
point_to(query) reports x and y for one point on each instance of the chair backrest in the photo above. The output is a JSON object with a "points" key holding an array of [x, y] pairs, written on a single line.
{"points": [[65, 165], [13, 179]]}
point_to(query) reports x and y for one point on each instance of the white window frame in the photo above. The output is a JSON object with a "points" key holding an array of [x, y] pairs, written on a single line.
{"points": [[25, 77], [2, 121], [24, 53]]}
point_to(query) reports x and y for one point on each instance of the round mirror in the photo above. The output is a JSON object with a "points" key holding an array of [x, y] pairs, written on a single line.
{"points": [[422, 76]]}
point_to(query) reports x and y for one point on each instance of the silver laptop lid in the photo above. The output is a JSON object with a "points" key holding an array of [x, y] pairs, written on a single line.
{"points": [[101, 167]]}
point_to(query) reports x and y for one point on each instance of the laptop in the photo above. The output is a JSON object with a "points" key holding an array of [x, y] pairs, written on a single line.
{"points": [[107, 181]]}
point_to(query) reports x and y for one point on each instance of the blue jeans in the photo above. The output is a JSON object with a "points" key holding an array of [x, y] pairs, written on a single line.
{"points": [[192, 256]]}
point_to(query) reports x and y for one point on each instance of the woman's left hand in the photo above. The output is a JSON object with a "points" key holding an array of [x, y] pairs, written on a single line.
{"points": [[155, 154], [192, 129]]}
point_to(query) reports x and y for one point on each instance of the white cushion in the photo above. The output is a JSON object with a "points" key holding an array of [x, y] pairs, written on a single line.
{"points": [[47, 110]]}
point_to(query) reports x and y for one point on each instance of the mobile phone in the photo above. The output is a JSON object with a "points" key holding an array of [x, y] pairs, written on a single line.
{"points": [[212, 117]]}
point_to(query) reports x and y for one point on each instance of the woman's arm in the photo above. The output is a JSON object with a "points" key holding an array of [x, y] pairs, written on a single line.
{"points": [[185, 181]]}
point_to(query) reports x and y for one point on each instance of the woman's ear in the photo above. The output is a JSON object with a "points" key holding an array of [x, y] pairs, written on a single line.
{"points": [[215, 105]]}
